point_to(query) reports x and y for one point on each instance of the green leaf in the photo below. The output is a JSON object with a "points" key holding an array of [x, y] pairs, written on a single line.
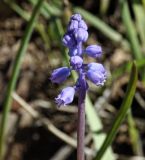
{"points": [[126, 104], [130, 30]]}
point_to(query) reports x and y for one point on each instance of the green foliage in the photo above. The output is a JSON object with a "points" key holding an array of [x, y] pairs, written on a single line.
{"points": [[15, 73], [126, 104]]}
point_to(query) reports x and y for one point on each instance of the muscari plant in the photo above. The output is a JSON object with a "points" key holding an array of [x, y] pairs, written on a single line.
{"points": [[73, 39]]}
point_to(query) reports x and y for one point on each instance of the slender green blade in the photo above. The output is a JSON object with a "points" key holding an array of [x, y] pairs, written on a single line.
{"points": [[134, 135], [126, 104], [48, 9], [130, 30], [140, 20]]}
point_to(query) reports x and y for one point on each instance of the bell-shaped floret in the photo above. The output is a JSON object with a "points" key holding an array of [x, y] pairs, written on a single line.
{"points": [[73, 24], [96, 67], [96, 73], [60, 75], [76, 62], [66, 96], [93, 51], [81, 35]]}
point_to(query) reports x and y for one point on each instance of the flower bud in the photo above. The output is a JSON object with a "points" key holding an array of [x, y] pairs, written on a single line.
{"points": [[96, 67], [73, 25], [66, 96], [81, 35], [76, 62], [76, 16], [68, 40], [93, 51], [83, 25], [60, 75], [96, 73], [73, 51]]}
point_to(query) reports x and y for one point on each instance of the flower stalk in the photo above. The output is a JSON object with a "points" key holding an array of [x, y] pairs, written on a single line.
{"points": [[81, 124], [74, 38]]}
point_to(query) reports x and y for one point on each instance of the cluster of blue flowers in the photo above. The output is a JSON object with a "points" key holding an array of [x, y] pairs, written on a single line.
{"points": [[75, 36]]}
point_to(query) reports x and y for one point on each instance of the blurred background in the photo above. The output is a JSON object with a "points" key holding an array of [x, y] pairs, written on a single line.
{"points": [[37, 129]]}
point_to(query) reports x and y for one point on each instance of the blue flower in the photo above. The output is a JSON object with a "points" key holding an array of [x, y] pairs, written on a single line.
{"points": [[66, 96], [96, 67], [93, 51], [73, 39], [76, 62], [69, 41], [60, 75], [74, 24], [81, 35], [96, 73], [83, 25], [73, 51], [76, 16]]}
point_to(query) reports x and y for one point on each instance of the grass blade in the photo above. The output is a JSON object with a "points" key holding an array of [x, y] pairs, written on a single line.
{"points": [[130, 30], [126, 104], [15, 73], [140, 20], [104, 6], [134, 135], [48, 9]]}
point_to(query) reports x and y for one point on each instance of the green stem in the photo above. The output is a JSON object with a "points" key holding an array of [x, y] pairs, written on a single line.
{"points": [[15, 73]]}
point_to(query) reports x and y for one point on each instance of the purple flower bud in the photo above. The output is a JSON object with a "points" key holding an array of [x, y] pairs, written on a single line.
{"points": [[73, 51], [76, 16], [93, 51], [59, 75], [73, 25], [96, 73], [76, 62], [68, 40], [83, 25], [66, 96], [96, 67], [81, 35]]}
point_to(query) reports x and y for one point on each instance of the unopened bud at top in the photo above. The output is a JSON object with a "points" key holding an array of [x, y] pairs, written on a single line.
{"points": [[76, 16]]}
